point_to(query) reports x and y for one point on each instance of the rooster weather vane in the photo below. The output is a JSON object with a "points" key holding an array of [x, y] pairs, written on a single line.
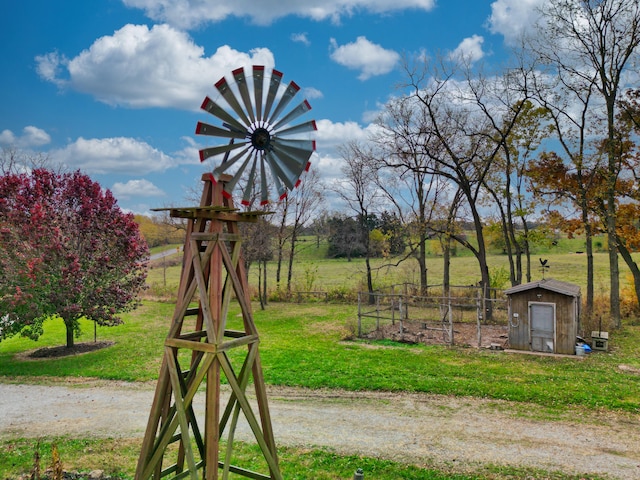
{"points": [[543, 266]]}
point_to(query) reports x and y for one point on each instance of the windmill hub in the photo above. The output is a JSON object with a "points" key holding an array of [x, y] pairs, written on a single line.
{"points": [[261, 139], [263, 145]]}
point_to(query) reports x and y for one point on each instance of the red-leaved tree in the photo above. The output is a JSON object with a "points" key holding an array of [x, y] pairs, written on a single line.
{"points": [[68, 251]]}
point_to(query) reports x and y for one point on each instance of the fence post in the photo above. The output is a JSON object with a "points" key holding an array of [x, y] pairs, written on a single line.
{"points": [[406, 302]]}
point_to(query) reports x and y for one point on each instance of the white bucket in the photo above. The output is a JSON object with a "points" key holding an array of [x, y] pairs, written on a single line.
{"points": [[579, 350]]}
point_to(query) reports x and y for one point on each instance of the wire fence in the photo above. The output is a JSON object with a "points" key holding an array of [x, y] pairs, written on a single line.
{"points": [[400, 313]]}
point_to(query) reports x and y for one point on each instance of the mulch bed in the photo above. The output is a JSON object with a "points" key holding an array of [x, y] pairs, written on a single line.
{"points": [[64, 351]]}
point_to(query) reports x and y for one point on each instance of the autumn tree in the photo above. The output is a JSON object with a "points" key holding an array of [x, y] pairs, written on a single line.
{"points": [[568, 174], [68, 252], [595, 40], [628, 185], [159, 230]]}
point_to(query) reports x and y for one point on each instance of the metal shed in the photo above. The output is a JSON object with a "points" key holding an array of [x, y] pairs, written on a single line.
{"points": [[544, 316]]}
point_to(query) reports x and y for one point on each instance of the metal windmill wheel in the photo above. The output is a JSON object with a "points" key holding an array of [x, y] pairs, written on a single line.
{"points": [[264, 147]]}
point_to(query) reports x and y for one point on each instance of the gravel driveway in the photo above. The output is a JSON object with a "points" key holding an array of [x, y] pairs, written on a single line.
{"points": [[416, 428]]}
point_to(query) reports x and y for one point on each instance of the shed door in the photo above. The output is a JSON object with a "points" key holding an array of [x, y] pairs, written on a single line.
{"points": [[542, 318]]}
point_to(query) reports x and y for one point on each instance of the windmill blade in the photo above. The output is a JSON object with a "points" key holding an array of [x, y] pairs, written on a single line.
{"points": [[296, 143], [258, 80], [231, 184], [264, 189], [282, 192], [279, 169], [301, 109], [223, 167], [213, 131], [213, 151], [309, 126], [248, 191], [217, 111], [226, 92], [294, 160], [241, 82], [274, 84], [288, 94]]}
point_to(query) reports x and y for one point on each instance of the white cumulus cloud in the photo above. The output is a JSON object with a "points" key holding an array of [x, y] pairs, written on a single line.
{"points": [[136, 188], [369, 58], [141, 67], [512, 18], [470, 49], [113, 155], [31, 137], [193, 13]]}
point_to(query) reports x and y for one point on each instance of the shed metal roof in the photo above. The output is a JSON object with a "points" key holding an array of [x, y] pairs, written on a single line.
{"points": [[550, 284]]}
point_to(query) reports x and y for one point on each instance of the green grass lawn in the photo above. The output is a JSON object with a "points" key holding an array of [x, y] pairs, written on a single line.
{"points": [[303, 345]]}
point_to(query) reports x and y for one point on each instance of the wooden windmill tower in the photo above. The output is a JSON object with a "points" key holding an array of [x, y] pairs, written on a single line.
{"points": [[197, 351]]}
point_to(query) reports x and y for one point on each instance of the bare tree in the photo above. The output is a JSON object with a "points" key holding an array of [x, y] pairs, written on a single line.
{"points": [[507, 183], [460, 121], [304, 203], [15, 161], [257, 247], [408, 175], [360, 193]]}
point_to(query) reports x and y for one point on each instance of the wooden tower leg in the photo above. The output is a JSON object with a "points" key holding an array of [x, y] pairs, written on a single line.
{"points": [[213, 273]]}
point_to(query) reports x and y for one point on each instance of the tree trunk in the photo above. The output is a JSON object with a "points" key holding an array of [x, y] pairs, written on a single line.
{"points": [[487, 305], [292, 250], [422, 262], [633, 266], [613, 268], [372, 298], [264, 282], [589, 248], [525, 247], [446, 260], [260, 296], [70, 339]]}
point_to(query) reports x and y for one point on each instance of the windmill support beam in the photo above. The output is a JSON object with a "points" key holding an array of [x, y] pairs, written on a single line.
{"points": [[213, 275]]}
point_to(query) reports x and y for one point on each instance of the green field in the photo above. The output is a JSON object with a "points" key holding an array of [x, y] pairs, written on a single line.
{"points": [[312, 269]]}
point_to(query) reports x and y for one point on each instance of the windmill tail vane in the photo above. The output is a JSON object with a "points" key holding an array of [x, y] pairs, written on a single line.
{"points": [[264, 144]]}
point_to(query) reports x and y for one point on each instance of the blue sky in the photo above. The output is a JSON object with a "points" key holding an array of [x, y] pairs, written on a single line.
{"points": [[114, 87]]}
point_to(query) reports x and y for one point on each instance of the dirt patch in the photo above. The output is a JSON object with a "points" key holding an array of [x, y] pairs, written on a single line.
{"points": [[64, 351], [629, 369], [464, 334]]}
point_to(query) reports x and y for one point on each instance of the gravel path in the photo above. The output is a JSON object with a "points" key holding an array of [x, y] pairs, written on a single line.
{"points": [[416, 428]]}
